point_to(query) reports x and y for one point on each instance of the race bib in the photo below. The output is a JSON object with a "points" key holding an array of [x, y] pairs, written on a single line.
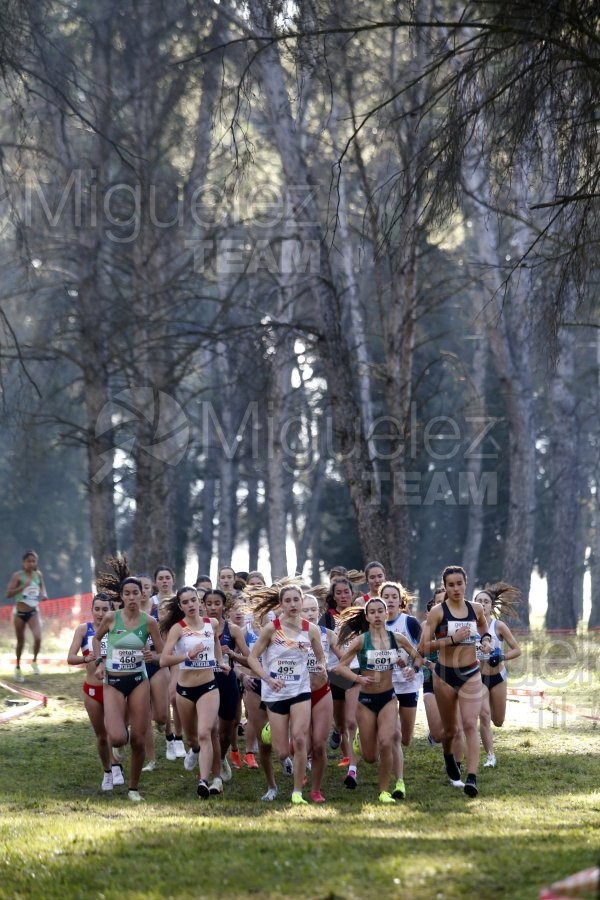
{"points": [[288, 670], [312, 664], [473, 637], [203, 660], [31, 594], [381, 660], [127, 660]]}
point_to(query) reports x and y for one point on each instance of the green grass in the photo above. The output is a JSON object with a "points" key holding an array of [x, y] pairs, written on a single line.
{"points": [[536, 819]]}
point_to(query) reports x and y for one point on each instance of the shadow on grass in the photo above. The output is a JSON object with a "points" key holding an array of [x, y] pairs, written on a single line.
{"points": [[535, 821]]}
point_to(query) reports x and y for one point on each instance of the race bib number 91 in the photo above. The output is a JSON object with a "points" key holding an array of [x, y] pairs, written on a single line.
{"points": [[202, 661]]}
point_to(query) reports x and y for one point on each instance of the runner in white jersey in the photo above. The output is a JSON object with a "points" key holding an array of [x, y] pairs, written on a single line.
{"points": [[284, 645], [192, 644], [406, 681], [321, 699], [495, 599]]}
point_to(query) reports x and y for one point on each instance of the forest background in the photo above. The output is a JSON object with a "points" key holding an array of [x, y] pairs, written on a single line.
{"points": [[302, 279]]}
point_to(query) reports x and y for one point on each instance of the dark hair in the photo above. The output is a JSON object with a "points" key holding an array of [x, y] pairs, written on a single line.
{"points": [[264, 599], [505, 598], [353, 621], [405, 597], [219, 593], [255, 574], [165, 569], [374, 565], [329, 598], [453, 570], [338, 572], [431, 602], [103, 597], [131, 579], [110, 582], [173, 613], [29, 553], [231, 569]]}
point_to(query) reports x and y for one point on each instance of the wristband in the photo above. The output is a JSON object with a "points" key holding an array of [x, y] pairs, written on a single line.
{"points": [[486, 634], [98, 660]]}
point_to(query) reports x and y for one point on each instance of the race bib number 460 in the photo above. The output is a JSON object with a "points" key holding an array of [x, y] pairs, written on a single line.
{"points": [[127, 660]]}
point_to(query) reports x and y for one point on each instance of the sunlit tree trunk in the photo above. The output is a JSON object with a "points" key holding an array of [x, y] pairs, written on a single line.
{"points": [[333, 344]]}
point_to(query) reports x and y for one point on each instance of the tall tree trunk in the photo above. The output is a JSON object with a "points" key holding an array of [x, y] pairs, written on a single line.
{"points": [[226, 460], [276, 481], [252, 511], [205, 540], [563, 451], [333, 345], [594, 563], [473, 465], [508, 320]]}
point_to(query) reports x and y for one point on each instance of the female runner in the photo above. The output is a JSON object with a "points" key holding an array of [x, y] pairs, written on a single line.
{"points": [[344, 693], [192, 644], [26, 587], [93, 698], [377, 649], [159, 680], [256, 711], [434, 723], [284, 645], [496, 600], [126, 685], [164, 579], [234, 649], [321, 701], [453, 628]]}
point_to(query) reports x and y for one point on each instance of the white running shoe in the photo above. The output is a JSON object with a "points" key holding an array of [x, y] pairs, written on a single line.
{"points": [[215, 786], [117, 775], [457, 783], [225, 770], [490, 762], [107, 782], [135, 796], [19, 677], [191, 760], [270, 795], [35, 668], [287, 766], [179, 749], [170, 751], [150, 766]]}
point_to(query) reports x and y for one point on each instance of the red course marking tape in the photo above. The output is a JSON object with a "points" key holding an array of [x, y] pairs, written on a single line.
{"points": [[37, 702], [572, 710], [524, 692]]}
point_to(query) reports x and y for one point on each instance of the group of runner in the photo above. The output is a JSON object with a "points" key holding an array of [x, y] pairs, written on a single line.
{"points": [[304, 660]]}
